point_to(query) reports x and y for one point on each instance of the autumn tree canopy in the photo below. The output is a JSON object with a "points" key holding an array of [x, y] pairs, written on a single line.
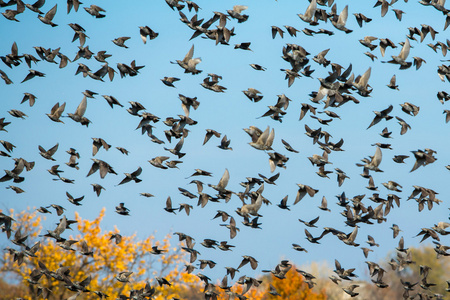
{"points": [[100, 263]]}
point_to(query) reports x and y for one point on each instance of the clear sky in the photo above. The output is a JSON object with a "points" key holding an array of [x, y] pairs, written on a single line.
{"points": [[228, 113]]}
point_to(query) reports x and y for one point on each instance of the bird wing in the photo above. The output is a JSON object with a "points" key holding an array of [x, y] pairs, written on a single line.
{"points": [[169, 203], [51, 13], [365, 77], [53, 149], [270, 138], [61, 226], [239, 8], [179, 145], [264, 136], [343, 16], [311, 10], [81, 109], [189, 55], [314, 221], [224, 180], [393, 80], [54, 108], [60, 110], [103, 169], [376, 159], [352, 235], [405, 50], [94, 168], [137, 172]]}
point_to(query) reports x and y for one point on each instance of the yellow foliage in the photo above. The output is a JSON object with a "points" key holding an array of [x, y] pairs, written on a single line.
{"points": [[108, 260], [294, 287]]}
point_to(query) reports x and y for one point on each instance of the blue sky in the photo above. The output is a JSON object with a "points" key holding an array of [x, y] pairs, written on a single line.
{"points": [[228, 113]]}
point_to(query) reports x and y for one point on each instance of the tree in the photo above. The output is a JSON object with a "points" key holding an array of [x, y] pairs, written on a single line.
{"points": [[422, 257], [102, 266]]}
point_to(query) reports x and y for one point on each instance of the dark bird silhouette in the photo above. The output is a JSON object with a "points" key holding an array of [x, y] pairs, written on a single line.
{"points": [[132, 176], [97, 144], [248, 259], [101, 165], [32, 74], [95, 11], [145, 32], [120, 41]]}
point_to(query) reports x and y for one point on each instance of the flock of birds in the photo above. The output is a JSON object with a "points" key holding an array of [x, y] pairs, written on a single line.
{"points": [[338, 87]]}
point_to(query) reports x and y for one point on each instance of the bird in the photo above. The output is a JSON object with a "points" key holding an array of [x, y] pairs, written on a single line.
{"points": [[371, 241], [291, 30], [225, 143], [209, 134], [380, 115], [101, 56], [169, 80], [310, 223], [123, 150], [324, 204], [30, 98], [5, 77], [248, 259], [74, 155], [403, 55], [189, 63], [360, 18], [410, 108], [283, 203], [398, 13], [112, 101], [392, 83], [177, 149], [101, 165], [122, 210], [132, 176], [361, 83], [264, 141], [276, 30], [97, 144], [312, 239], [169, 207], [120, 41], [243, 46], [252, 94], [309, 13], [85, 250], [78, 115], [447, 115], [236, 13], [75, 201], [47, 154], [223, 182], [340, 21], [116, 237], [56, 112], [251, 209], [303, 191], [95, 11], [258, 67], [350, 290], [367, 42], [423, 158], [97, 188], [145, 31], [32, 74], [124, 276]]}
